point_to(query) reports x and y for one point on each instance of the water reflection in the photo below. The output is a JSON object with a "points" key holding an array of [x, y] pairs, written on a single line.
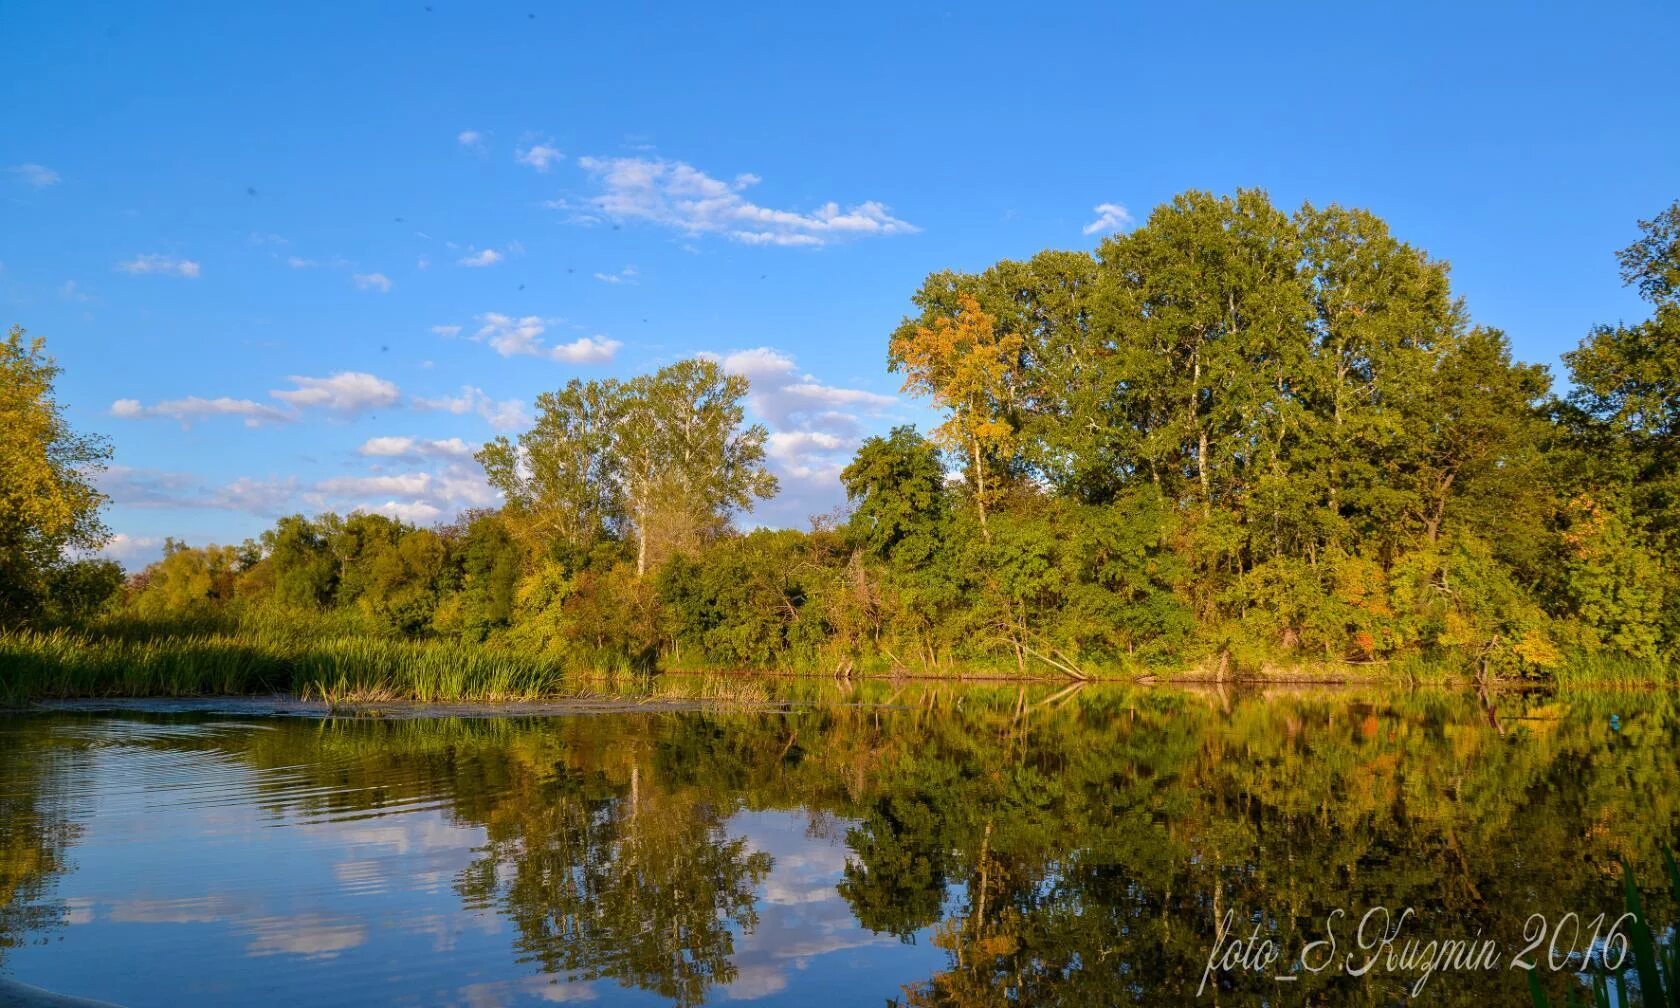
{"points": [[921, 847]]}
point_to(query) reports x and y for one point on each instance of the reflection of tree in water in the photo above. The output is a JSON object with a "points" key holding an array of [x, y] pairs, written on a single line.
{"points": [[1069, 854], [603, 880], [35, 832], [1169, 817]]}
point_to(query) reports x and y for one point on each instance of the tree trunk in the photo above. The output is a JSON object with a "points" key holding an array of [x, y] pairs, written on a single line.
{"points": [[641, 542]]}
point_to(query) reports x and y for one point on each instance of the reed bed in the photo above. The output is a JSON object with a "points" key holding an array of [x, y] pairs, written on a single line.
{"points": [[61, 664]]}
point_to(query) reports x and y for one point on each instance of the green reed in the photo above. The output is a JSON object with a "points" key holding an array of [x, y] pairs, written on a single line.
{"points": [[1657, 968], [61, 664]]}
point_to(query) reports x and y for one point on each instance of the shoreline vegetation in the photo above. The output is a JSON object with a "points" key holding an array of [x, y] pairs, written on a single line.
{"points": [[151, 662], [1234, 444]]}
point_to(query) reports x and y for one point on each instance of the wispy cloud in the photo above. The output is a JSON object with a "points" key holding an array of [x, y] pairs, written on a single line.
{"points": [[70, 292], [160, 263], [447, 330], [39, 176], [194, 408], [677, 195], [344, 392], [539, 156], [502, 415], [485, 257], [814, 429], [516, 337], [373, 281], [788, 398], [156, 488], [418, 496], [410, 447], [470, 138], [1111, 217], [625, 275]]}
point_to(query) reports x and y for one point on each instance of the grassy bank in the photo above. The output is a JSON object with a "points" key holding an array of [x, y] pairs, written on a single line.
{"points": [[63, 664], [312, 660]]}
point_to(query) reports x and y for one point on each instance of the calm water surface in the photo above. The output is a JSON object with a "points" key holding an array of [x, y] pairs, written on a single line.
{"points": [[915, 847]]}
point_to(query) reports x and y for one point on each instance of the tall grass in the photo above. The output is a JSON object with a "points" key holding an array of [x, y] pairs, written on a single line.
{"points": [[1608, 671], [61, 664], [1655, 968]]}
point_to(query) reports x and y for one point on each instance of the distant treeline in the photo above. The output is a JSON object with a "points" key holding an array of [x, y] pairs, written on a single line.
{"points": [[1232, 437]]}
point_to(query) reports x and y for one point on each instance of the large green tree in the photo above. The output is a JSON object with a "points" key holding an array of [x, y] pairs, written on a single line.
{"points": [[48, 503], [1627, 403], [663, 457]]}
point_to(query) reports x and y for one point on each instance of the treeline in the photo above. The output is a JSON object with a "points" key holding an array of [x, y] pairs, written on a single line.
{"points": [[1230, 438]]}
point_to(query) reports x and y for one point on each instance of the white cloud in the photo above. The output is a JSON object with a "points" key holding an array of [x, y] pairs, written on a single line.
{"points": [[419, 496], [1111, 217], [159, 263], [126, 549], [814, 430], [586, 350], [505, 415], [344, 392], [410, 484], [625, 275], [487, 257], [373, 281], [70, 292], [39, 176], [470, 138], [408, 447], [520, 337], [447, 330], [539, 156], [793, 444], [299, 262], [413, 512], [194, 408], [787, 398], [679, 196]]}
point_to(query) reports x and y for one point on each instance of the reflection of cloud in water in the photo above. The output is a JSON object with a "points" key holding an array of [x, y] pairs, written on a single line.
{"points": [[401, 835], [802, 915], [311, 936], [753, 982], [185, 910], [78, 910], [416, 852], [506, 992]]}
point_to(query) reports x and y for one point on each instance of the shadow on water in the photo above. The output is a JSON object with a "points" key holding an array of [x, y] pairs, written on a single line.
{"points": [[901, 844]]}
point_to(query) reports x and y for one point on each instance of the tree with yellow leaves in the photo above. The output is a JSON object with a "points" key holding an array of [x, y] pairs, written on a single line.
{"points": [[968, 368], [48, 503]]}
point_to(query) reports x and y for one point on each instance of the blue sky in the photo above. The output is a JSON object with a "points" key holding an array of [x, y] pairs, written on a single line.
{"points": [[303, 259]]}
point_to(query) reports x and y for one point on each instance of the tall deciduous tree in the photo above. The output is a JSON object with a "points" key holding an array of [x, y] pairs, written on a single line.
{"points": [[662, 456], [562, 478], [968, 367], [48, 503], [686, 464], [1627, 387]]}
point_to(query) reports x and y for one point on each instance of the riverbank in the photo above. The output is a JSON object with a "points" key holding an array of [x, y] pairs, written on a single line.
{"points": [[358, 670]]}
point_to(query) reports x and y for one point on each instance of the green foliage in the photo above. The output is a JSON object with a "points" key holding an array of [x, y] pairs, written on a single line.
{"points": [[1236, 438], [48, 503]]}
